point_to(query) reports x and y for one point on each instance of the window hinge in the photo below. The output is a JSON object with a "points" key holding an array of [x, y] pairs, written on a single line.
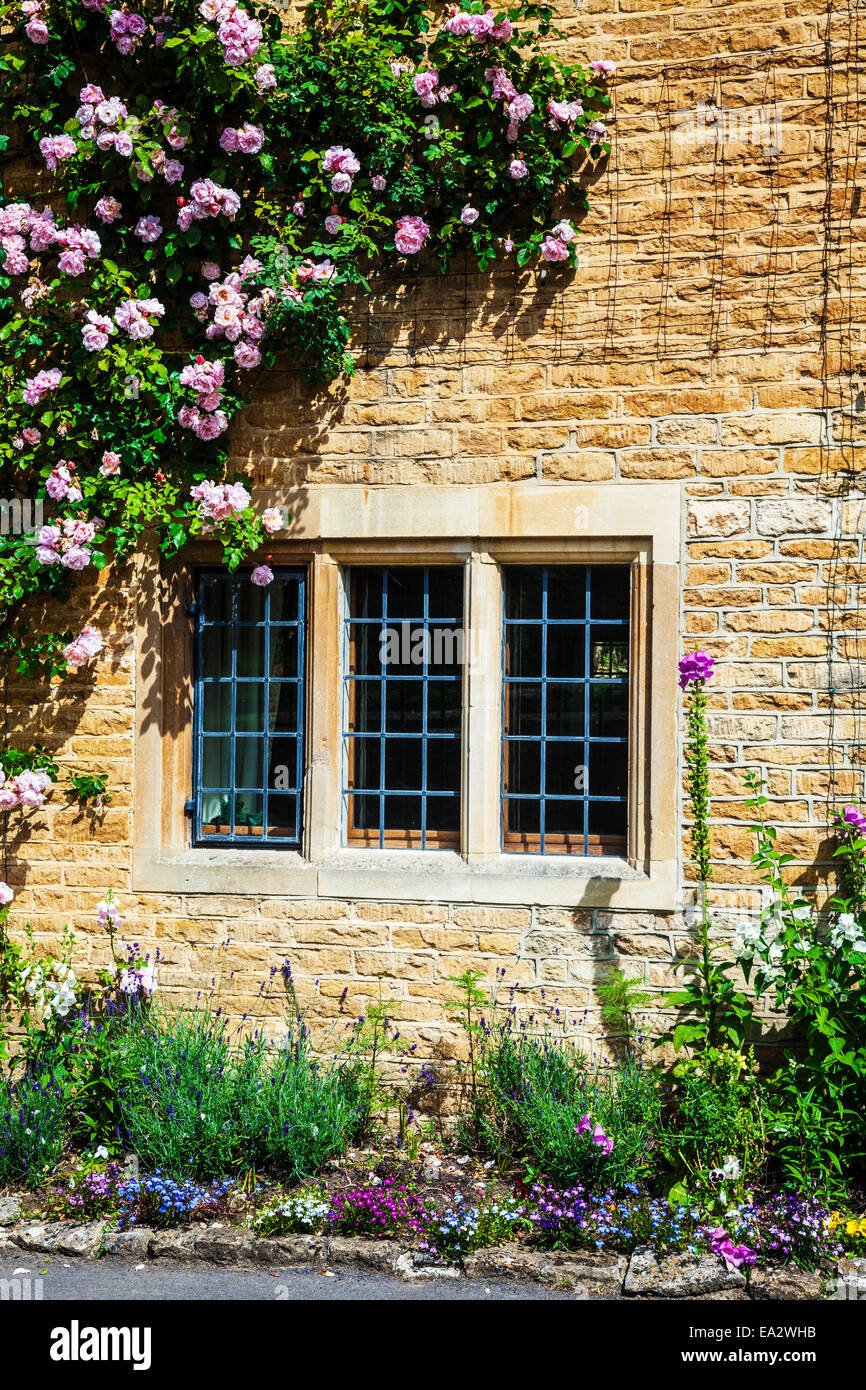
{"points": [[189, 808]]}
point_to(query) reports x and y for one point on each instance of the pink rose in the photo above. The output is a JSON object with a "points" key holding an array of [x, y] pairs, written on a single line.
{"points": [[110, 466], [521, 107], [517, 169], [272, 520], [424, 85], [410, 236], [262, 575], [469, 215], [247, 356], [149, 229], [107, 209], [552, 249], [75, 558]]}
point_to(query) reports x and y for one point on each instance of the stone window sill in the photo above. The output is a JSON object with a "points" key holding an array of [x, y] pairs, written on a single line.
{"points": [[416, 876]]}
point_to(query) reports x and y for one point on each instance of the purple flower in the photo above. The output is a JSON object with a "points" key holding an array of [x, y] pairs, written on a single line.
{"points": [[697, 666], [854, 820]]}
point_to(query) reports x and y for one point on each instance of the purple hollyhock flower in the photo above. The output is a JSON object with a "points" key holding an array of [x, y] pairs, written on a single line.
{"points": [[584, 1126], [600, 1139], [697, 666], [852, 819]]}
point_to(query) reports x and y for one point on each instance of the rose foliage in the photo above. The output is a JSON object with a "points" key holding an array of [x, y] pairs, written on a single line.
{"points": [[195, 189]]}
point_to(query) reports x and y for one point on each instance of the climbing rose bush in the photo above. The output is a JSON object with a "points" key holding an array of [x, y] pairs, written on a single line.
{"points": [[215, 186]]}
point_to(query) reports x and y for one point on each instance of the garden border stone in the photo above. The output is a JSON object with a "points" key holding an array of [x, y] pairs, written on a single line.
{"points": [[10, 1211], [788, 1282], [678, 1276], [645, 1274]]}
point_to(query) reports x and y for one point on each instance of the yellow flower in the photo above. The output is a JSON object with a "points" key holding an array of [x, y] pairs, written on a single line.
{"points": [[852, 1228]]}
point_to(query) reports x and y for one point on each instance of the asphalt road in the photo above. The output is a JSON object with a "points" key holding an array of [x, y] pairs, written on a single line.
{"points": [[121, 1279]]}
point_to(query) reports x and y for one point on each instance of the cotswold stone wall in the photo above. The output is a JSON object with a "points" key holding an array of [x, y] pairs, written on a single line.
{"points": [[712, 336]]}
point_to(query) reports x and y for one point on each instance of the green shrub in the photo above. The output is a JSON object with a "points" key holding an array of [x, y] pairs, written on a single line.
{"points": [[32, 1129], [194, 1103], [534, 1090], [719, 1111]]}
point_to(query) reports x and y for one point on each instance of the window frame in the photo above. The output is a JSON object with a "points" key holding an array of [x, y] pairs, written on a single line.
{"points": [[385, 839], [234, 840], [521, 842], [482, 528]]}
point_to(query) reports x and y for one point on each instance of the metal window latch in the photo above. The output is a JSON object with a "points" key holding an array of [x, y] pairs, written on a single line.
{"points": [[189, 808]]}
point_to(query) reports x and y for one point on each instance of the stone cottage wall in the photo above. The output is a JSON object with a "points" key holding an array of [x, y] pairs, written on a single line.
{"points": [[712, 337]]}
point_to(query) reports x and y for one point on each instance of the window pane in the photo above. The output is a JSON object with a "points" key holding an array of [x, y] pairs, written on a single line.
{"points": [[611, 594], [283, 652], [283, 770], [249, 814], [608, 710], [215, 597], [565, 725], [523, 594], [565, 709], [404, 680], [217, 763], [283, 707], [367, 647], [566, 592], [565, 818], [609, 652], [217, 707], [565, 650], [444, 704], [403, 761], [522, 817], [523, 768], [216, 648], [251, 603], [563, 765], [443, 765], [282, 823], [608, 769], [404, 701], [402, 813], [406, 594], [365, 761], [523, 650], [524, 708], [245, 635], [443, 814], [251, 652], [608, 819], [250, 708]]}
